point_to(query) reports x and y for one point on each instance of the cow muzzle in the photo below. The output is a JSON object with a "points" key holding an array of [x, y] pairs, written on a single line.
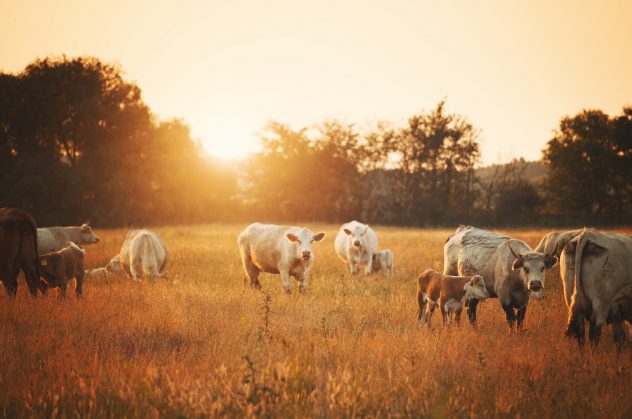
{"points": [[535, 286], [357, 243], [307, 255]]}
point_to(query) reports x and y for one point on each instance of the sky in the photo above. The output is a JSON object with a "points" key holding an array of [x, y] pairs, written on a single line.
{"points": [[513, 68]]}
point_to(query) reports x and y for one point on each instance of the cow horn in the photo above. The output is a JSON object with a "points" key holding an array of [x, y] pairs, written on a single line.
{"points": [[512, 252]]}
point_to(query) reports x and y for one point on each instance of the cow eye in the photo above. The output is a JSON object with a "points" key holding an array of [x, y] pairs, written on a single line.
{"points": [[526, 270], [542, 269]]}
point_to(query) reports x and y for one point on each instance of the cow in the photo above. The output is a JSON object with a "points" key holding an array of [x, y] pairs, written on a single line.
{"points": [[513, 272], [143, 254], [554, 242], [356, 243], [448, 292], [278, 250], [383, 261], [52, 239], [18, 250], [602, 291], [58, 268]]}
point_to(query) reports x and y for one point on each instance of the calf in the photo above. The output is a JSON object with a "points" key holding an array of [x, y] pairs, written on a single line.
{"points": [[279, 250], [448, 292], [383, 261], [62, 266]]}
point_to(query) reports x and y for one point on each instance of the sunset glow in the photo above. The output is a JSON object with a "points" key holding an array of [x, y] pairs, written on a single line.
{"points": [[226, 68]]}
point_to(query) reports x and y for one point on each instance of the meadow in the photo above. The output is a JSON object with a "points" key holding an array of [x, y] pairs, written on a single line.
{"points": [[201, 344]]}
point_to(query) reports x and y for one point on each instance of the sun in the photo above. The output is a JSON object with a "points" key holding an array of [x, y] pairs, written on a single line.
{"points": [[228, 141]]}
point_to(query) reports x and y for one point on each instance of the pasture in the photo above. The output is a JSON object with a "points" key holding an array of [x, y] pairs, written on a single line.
{"points": [[202, 344]]}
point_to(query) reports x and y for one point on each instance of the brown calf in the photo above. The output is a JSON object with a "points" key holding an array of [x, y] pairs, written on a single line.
{"points": [[448, 292], [62, 266]]}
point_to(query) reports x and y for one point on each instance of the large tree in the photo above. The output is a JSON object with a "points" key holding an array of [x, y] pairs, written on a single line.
{"points": [[590, 166]]}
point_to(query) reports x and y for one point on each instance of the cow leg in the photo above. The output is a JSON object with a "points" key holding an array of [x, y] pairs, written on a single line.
{"points": [[618, 334], [429, 311], [62, 289], [445, 315], [136, 269], [421, 305], [32, 279], [369, 264], [520, 316], [594, 331], [302, 282], [353, 268], [285, 279], [576, 327], [457, 317], [9, 277], [79, 287], [471, 310], [252, 272], [511, 316]]}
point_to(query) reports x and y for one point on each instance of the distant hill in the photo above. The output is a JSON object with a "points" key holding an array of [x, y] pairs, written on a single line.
{"points": [[532, 171]]}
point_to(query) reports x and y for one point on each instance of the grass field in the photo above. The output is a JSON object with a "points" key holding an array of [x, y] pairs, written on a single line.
{"points": [[201, 344]]}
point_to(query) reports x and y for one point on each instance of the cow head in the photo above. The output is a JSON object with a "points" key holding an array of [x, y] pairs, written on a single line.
{"points": [[87, 235], [303, 241], [356, 234], [476, 288], [114, 266], [531, 267]]}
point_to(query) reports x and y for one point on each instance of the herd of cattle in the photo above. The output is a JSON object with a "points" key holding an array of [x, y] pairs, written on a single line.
{"points": [[595, 267]]}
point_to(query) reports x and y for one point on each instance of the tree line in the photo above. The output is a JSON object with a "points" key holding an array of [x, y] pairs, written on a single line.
{"points": [[78, 142]]}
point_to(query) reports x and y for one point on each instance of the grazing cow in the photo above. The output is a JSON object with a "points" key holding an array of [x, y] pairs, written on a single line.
{"points": [[356, 243], [52, 239], [142, 254], [62, 266], [553, 243], [18, 250], [383, 261], [278, 250], [603, 284], [448, 292], [512, 270]]}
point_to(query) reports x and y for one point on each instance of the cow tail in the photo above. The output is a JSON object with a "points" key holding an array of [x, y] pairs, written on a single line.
{"points": [[575, 319]]}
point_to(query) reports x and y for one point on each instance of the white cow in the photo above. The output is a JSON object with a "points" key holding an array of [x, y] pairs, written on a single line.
{"points": [[278, 250], [554, 242], [52, 239], [142, 254], [383, 261], [356, 243]]}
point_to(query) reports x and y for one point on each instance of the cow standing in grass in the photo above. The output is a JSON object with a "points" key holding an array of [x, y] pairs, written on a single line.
{"points": [[59, 268], [448, 293], [18, 250], [52, 239], [601, 270], [513, 272], [356, 243], [278, 250]]}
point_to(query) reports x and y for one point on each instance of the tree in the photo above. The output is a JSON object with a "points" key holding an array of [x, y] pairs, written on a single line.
{"points": [[590, 166]]}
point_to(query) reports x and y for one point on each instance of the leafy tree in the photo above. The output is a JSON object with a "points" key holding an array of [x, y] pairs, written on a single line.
{"points": [[590, 166]]}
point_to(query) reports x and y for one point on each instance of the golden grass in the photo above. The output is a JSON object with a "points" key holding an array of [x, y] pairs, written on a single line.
{"points": [[201, 344]]}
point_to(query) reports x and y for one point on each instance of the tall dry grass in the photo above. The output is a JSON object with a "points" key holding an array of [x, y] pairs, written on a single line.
{"points": [[201, 344]]}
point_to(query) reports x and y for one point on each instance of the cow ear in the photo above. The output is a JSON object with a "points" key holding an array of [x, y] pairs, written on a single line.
{"points": [[517, 264], [291, 237], [550, 261], [347, 231], [319, 236]]}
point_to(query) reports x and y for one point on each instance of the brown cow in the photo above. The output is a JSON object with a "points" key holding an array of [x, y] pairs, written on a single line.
{"points": [[18, 250], [448, 292], [62, 266]]}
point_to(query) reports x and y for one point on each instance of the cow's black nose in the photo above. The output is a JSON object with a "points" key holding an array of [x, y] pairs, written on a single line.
{"points": [[356, 243], [306, 254], [536, 285]]}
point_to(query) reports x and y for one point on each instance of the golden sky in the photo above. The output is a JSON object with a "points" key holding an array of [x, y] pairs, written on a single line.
{"points": [[514, 68]]}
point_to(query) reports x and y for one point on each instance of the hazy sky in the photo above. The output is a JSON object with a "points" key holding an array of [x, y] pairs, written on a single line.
{"points": [[514, 68]]}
